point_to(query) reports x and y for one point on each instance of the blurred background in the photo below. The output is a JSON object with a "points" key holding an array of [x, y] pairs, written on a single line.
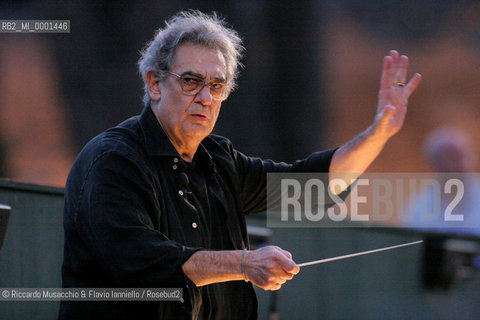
{"points": [[310, 80]]}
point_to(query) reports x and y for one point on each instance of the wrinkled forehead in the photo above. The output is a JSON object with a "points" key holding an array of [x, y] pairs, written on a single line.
{"points": [[200, 60]]}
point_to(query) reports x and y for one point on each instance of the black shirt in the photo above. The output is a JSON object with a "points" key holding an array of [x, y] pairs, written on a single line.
{"points": [[131, 220]]}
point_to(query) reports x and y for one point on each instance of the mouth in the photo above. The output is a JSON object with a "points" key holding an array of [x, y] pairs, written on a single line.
{"points": [[199, 116]]}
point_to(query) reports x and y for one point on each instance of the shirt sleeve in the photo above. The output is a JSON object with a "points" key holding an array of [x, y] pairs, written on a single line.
{"points": [[114, 224], [253, 175]]}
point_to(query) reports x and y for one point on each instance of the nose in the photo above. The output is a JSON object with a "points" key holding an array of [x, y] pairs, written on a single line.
{"points": [[204, 96]]}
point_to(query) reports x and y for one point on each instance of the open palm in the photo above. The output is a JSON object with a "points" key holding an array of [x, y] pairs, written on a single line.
{"points": [[394, 93]]}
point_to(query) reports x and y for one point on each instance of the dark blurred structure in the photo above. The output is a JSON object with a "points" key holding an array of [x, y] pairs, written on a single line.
{"points": [[310, 79], [4, 215], [378, 286], [35, 138], [275, 113], [441, 39], [447, 261], [260, 237]]}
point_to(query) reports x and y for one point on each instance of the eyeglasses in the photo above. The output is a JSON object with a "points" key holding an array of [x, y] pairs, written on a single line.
{"points": [[192, 85]]}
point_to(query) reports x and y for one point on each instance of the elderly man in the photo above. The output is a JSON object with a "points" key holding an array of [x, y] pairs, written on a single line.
{"points": [[159, 202], [451, 154]]}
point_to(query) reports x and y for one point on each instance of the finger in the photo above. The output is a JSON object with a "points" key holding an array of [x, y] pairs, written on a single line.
{"points": [[288, 276], [290, 267], [275, 248], [413, 83], [394, 54], [385, 82], [295, 270], [276, 287], [286, 253], [393, 70], [402, 69], [286, 263]]}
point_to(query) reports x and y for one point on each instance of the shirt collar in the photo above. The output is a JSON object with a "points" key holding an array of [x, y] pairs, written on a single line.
{"points": [[156, 140]]}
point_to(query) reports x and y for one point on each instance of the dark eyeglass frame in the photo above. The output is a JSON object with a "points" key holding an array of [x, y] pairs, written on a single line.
{"points": [[221, 94]]}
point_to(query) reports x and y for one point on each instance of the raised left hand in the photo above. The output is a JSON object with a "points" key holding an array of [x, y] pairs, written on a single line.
{"points": [[393, 95]]}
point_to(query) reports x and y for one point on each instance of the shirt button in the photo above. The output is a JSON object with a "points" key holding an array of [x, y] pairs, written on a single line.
{"points": [[180, 192], [194, 225], [175, 160], [174, 167]]}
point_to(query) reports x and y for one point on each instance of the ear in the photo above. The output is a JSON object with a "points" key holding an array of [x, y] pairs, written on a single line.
{"points": [[153, 84]]}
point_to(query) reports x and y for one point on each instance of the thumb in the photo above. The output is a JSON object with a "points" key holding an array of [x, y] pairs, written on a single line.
{"points": [[289, 265]]}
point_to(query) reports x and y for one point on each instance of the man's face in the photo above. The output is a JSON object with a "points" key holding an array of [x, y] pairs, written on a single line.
{"points": [[185, 117]]}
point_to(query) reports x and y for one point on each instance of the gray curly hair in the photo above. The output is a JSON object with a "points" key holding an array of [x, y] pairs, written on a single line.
{"points": [[194, 27]]}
